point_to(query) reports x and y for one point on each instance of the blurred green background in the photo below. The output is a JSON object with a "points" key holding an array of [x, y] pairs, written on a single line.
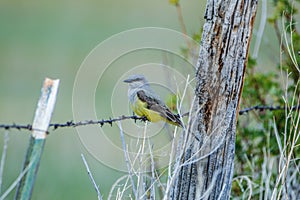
{"points": [[41, 39]]}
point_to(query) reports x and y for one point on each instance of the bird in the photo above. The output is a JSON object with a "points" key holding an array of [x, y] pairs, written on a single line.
{"points": [[146, 103]]}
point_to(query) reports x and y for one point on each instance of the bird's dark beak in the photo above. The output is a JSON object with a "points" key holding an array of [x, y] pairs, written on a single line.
{"points": [[127, 81]]}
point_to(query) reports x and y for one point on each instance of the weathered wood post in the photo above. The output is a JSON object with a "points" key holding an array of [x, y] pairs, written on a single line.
{"points": [[204, 165]]}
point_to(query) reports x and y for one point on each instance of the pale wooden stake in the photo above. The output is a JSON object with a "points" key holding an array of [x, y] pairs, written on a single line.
{"points": [[37, 139]]}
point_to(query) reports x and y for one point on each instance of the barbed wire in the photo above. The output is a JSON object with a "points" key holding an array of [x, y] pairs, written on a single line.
{"points": [[110, 121], [270, 108], [70, 123]]}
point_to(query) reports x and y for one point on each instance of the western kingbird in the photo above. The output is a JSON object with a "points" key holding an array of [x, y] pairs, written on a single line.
{"points": [[145, 102]]}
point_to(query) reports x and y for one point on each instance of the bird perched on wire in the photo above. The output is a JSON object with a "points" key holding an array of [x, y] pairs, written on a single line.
{"points": [[145, 102]]}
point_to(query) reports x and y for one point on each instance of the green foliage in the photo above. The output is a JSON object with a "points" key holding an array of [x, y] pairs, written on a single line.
{"points": [[252, 130], [186, 51], [260, 88], [171, 102], [282, 7], [256, 142], [197, 36], [257, 148], [284, 13]]}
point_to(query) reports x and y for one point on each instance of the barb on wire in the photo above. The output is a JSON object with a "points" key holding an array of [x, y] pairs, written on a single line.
{"points": [[55, 126], [100, 122], [270, 108], [110, 121], [15, 126]]}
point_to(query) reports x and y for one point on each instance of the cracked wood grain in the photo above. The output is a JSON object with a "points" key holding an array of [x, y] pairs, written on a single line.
{"points": [[206, 159]]}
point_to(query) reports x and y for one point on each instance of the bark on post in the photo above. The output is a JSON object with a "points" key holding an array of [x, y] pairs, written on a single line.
{"points": [[204, 167]]}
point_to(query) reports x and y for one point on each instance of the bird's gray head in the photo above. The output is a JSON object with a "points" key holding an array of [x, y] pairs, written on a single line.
{"points": [[136, 81]]}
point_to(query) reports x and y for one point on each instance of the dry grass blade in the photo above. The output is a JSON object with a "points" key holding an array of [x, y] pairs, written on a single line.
{"points": [[129, 166], [3, 157], [91, 177]]}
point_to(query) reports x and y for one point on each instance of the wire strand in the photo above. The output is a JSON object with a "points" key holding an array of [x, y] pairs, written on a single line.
{"points": [[110, 121]]}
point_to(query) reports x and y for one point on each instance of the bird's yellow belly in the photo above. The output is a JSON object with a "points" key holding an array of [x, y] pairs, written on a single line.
{"points": [[140, 108]]}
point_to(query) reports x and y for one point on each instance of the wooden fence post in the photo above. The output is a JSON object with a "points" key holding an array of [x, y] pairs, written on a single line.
{"points": [[204, 163], [37, 139]]}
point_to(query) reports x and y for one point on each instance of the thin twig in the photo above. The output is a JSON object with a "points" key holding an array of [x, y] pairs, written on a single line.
{"points": [[129, 168], [182, 25], [152, 186], [91, 177], [260, 31], [14, 184], [116, 186], [249, 183], [3, 157]]}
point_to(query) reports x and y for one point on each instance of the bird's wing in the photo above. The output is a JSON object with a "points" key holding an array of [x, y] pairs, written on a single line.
{"points": [[157, 105]]}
